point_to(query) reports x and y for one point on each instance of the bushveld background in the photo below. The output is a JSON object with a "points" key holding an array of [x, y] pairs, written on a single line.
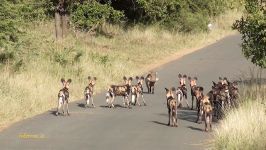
{"points": [[106, 39]]}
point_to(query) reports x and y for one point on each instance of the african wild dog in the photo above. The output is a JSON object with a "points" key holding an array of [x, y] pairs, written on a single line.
{"points": [[63, 97], [199, 97], [137, 91], [207, 111], [234, 93], [150, 80], [193, 87], [89, 91], [182, 82], [172, 107], [180, 97], [119, 90]]}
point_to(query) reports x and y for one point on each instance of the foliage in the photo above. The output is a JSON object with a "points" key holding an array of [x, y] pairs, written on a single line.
{"points": [[92, 14], [253, 30]]}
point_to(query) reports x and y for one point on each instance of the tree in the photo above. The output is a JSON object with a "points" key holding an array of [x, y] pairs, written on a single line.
{"points": [[252, 26], [60, 19]]}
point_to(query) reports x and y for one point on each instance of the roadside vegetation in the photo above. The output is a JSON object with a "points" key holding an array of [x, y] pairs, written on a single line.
{"points": [[32, 61], [244, 128]]}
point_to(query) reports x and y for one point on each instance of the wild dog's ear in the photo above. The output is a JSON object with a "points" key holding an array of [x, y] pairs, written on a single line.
{"points": [[179, 76], [63, 80], [195, 78], [69, 80], [173, 88], [214, 84], [89, 77], [142, 78], [137, 77], [166, 89], [220, 78], [189, 78], [94, 78], [130, 78], [184, 76], [225, 78], [124, 78]]}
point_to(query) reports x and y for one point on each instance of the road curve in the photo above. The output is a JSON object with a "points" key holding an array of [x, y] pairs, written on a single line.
{"points": [[139, 128]]}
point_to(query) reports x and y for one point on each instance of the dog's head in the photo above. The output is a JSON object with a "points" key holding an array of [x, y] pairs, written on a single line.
{"points": [[193, 81], [66, 83], [199, 92], [92, 80], [140, 80], [152, 76], [170, 92], [128, 81]]}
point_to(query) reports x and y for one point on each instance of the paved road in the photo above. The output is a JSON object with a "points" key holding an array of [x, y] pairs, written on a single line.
{"points": [[137, 128]]}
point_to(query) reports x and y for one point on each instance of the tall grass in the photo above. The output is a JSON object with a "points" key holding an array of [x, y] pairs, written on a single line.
{"points": [[244, 128], [34, 88]]}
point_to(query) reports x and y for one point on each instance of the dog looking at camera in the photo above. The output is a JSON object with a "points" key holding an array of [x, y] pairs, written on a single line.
{"points": [[89, 91], [63, 97]]}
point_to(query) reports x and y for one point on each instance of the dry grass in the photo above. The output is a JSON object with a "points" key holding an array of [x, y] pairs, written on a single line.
{"points": [[34, 89], [245, 128]]}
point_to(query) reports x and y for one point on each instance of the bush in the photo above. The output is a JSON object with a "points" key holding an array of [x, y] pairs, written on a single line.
{"points": [[93, 14]]}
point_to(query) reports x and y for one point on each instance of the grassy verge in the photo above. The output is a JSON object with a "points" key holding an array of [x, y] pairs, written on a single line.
{"points": [[34, 88], [244, 128]]}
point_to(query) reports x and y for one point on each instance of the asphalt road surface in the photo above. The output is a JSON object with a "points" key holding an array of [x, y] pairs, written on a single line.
{"points": [[139, 128]]}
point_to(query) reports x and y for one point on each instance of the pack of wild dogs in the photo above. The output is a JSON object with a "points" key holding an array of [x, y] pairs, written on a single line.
{"points": [[223, 95]]}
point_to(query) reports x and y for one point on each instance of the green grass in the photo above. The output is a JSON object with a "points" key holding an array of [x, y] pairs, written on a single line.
{"points": [[33, 89]]}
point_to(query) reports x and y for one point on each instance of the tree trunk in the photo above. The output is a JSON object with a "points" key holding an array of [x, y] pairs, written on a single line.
{"points": [[60, 20], [64, 25], [58, 28]]}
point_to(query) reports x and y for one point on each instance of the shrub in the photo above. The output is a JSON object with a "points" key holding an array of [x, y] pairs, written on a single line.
{"points": [[93, 14]]}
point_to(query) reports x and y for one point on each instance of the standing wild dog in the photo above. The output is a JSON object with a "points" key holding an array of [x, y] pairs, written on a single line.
{"points": [[193, 87], [137, 91], [199, 97], [119, 90], [207, 110], [180, 97], [63, 97], [172, 107], [234, 93], [183, 88], [150, 80], [89, 91]]}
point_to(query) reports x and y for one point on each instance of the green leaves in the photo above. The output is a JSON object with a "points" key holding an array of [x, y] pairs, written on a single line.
{"points": [[90, 14], [253, 30]]}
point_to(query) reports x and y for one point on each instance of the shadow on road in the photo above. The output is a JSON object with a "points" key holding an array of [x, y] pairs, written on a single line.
{"points": [[53, 112], [160, 123], [196, 129], [190, 116], [116, 106], [81, 105]]}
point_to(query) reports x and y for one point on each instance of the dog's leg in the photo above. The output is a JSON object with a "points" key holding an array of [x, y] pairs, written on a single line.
{"points": [[137, 100], [87, 100], [175, 116], [206, 121], [92, 103], [172, 117], [192, 100], [144, 102], [60, 100], [169, 116], [210, 122], [67, 108]]}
